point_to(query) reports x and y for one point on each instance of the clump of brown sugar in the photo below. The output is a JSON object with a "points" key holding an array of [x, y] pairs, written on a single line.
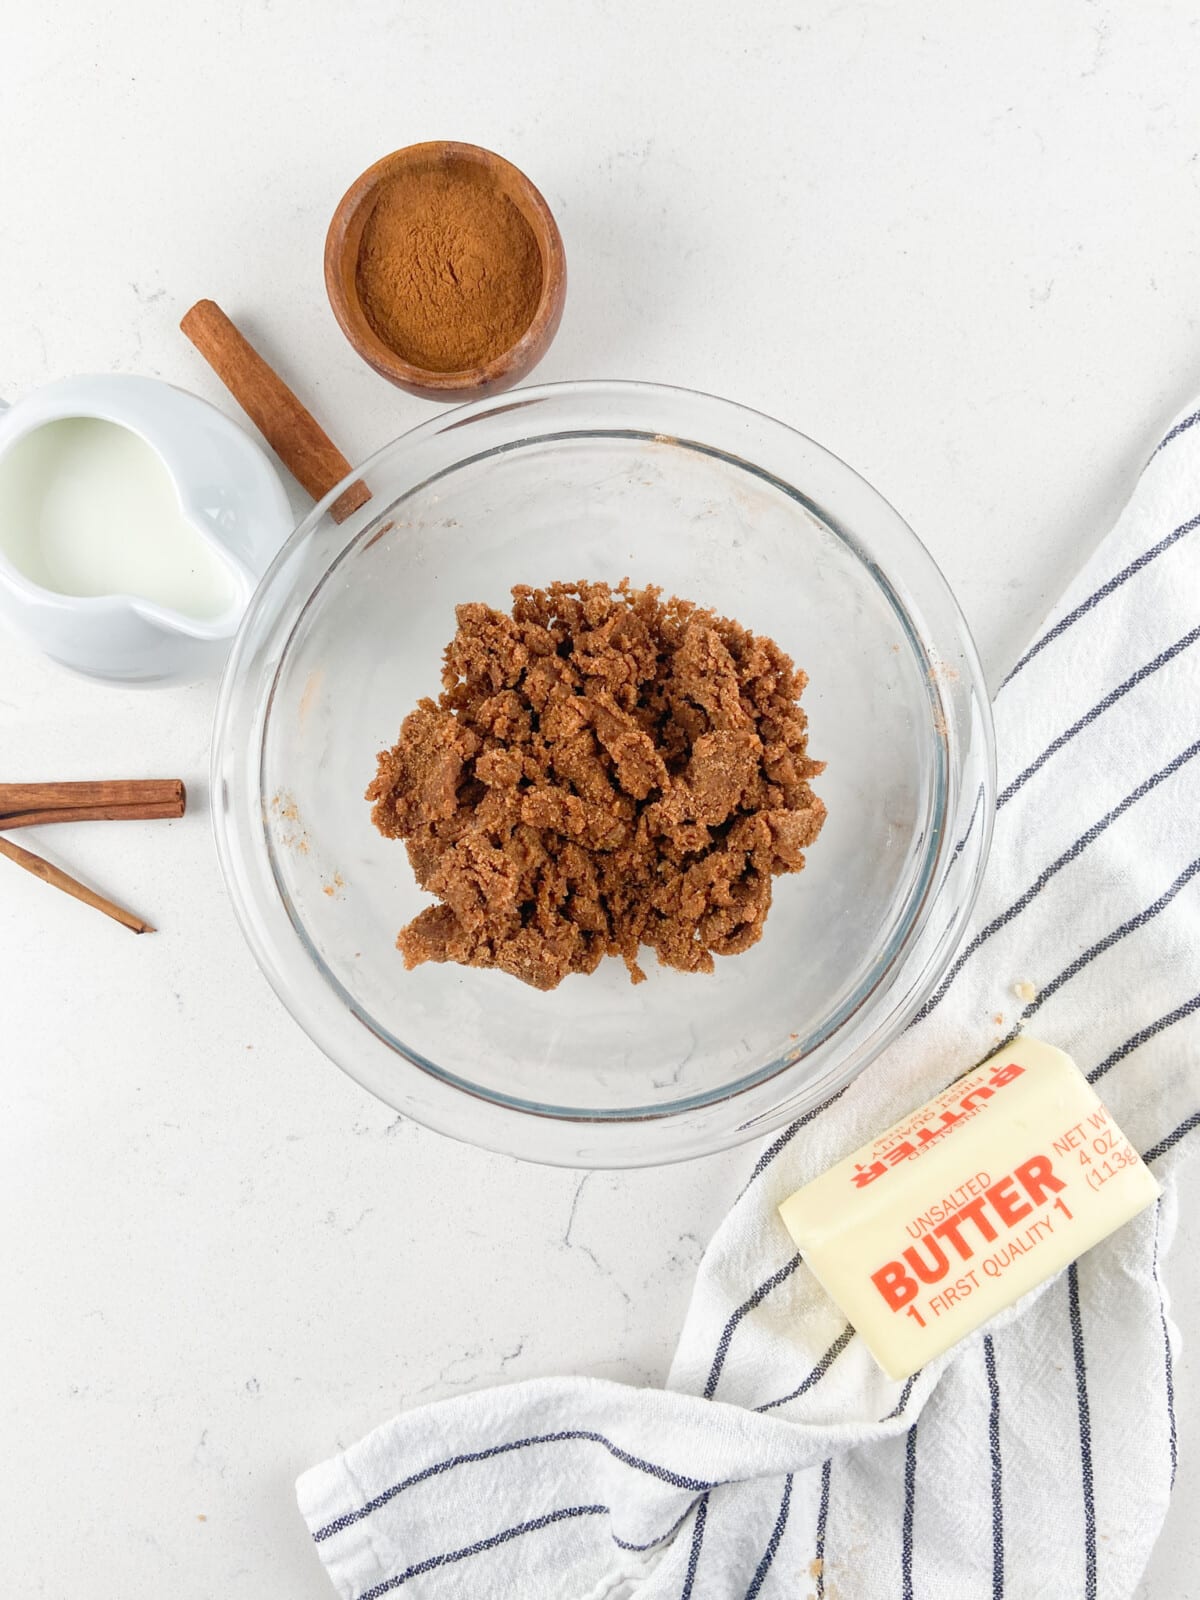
{"points": [[603, 770]]}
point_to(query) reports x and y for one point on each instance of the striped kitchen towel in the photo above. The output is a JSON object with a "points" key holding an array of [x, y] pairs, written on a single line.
{"points": [[1037, 1458]]}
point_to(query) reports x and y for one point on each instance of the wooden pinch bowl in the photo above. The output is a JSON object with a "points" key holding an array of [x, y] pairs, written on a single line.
{"points": [[344, 240]]}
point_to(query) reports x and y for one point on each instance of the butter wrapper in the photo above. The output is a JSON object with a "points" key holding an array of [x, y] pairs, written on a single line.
{"points": [[963, 1206]]}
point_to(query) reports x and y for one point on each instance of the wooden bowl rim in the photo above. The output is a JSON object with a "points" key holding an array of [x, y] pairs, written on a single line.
{"points": [[343, 294]]}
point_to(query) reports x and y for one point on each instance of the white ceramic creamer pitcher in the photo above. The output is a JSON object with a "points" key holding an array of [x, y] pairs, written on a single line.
{"points": [[135, 523]]}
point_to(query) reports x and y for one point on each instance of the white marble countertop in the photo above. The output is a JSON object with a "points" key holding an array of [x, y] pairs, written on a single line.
{"points": [[961, 250]]}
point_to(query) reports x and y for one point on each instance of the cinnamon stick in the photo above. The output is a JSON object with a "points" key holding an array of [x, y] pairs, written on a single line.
{"points": [[288, 427], [27, 805], [61, 880]]}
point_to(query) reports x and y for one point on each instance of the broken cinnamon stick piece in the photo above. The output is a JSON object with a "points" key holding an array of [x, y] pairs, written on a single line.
{"points": [[58, 879]]}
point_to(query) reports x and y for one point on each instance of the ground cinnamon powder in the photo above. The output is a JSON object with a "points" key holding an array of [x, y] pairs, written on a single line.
{"points": [[449, 271], [603, 770]]}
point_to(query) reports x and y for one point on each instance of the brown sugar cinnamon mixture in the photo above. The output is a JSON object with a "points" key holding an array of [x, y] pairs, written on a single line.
{"points": [[603, 770]]}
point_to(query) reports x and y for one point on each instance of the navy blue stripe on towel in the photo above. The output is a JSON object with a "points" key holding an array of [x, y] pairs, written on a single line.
{"points": [[786, 1137], [1101, 706], [898, 1409], [1141, 1036], [1105, 589], [1173, 1138], [482, 1545], [661, 1538], [989, 1362], [756, 1299], [1070, 854], [676, 1479], [817, 1373], [910, 1506], [1085, 1435], [1168, 1361], [689, 1577], [1112, 938], [818, 1566], [768, 1555], [1173, 433], [970, 828]]}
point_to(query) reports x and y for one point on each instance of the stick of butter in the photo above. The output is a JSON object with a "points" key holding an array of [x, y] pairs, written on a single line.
{"points": [[958, 1210]]}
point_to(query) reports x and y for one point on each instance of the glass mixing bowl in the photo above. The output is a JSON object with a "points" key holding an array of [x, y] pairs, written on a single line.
{"points": [[717, 504]]}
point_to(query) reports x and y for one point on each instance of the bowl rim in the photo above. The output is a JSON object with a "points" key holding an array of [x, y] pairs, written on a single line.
{"points": [[886, 1015], [342, 241]]}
